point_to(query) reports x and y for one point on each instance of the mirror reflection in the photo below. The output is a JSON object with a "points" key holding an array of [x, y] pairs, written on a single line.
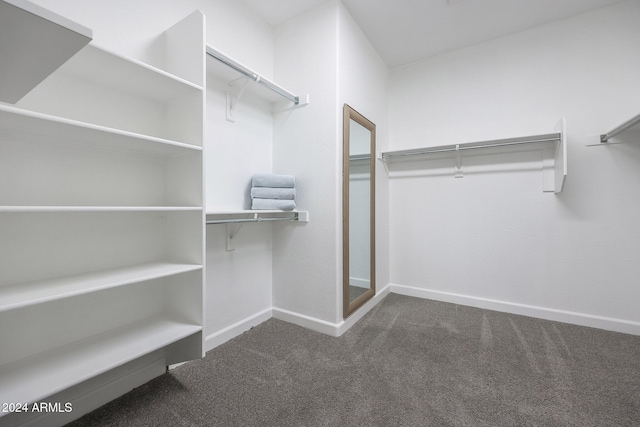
{"points": [[359, 145]]}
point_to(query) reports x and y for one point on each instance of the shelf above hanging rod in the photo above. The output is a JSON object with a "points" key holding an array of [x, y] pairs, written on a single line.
{"points": [[256, 216], [537, 139], [620, 129], [252, 75], [552, 147]]}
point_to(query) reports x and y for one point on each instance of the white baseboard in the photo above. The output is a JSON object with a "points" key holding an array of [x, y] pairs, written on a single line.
{"points": [[328, 328], [362, 311], [224, 335], [582, 319], [305, 321]]}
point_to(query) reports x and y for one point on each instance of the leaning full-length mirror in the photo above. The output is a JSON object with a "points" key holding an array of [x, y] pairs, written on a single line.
{"points": [[359, 139]]}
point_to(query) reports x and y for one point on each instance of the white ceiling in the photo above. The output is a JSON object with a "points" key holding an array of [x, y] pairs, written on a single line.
{"points": [[404, 31]]}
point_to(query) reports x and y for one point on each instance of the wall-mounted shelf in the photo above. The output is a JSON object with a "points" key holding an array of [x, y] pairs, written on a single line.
{"points": [[242, 79], [34, 42], [241, 216], [552, 146]]}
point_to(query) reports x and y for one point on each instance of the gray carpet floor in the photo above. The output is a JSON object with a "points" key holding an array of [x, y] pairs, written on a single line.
{"points": [[408, 362]]}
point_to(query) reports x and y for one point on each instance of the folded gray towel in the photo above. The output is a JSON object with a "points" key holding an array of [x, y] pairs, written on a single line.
{"points": [[273, 180], [273, 193], [266, 204]]}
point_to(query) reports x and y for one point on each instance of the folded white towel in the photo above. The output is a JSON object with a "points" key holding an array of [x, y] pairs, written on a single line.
{"points": [[267, 204], [273, 180], [273, 193]]}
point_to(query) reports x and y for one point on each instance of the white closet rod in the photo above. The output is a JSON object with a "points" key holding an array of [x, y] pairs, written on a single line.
{"points": [[623, 127], [472, 146], [229, 221], [253, 76]]}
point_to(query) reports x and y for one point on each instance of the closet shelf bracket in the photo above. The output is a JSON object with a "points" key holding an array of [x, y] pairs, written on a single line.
{"points": [[233, 94]]}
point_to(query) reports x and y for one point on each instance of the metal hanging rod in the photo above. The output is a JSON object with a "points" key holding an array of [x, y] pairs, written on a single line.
{"points": [[623, 127], [255, 219], [552, 137], [253, 76]]}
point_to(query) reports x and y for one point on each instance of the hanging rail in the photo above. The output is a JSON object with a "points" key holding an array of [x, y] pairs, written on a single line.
{"points": [[295, 216], [623, 127], [253, 76], [552, 137]]}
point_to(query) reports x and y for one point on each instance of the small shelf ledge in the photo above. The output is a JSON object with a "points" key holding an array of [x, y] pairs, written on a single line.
{"points": [[44, 374], [25, 294], [552, 146], [240, 79], [241, 216], [23, 125]]}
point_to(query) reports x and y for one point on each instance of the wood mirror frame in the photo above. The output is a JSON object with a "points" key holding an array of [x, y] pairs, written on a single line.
{"points": [[355, 156]]}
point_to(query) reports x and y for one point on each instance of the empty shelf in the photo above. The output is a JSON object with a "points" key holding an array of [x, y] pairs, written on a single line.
{"points": [[112, 70], [44, 374], [22, 125], [25, 294]]}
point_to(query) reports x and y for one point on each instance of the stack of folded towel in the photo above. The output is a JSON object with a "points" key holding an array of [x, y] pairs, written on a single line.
{"points": [[270, 191]]}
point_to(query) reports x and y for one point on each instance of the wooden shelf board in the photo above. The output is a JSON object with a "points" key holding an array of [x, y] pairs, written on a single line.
{"points": [[38, 292], [22, 125], [44, 374], [112, 70]]}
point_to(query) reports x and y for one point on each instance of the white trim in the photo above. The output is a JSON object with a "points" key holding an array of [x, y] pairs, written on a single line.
{"points": [[305, 321], [347, 323], [220, 337], [582, 319], [328, 328]]}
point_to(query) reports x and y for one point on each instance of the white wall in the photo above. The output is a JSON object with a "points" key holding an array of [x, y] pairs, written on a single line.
{"points": [[322, 53], [364, 85], [494, 239], [306, 266]]}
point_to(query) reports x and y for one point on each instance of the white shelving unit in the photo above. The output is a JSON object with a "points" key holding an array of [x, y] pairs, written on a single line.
{"points": [[551, 146], [102, 218]]}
